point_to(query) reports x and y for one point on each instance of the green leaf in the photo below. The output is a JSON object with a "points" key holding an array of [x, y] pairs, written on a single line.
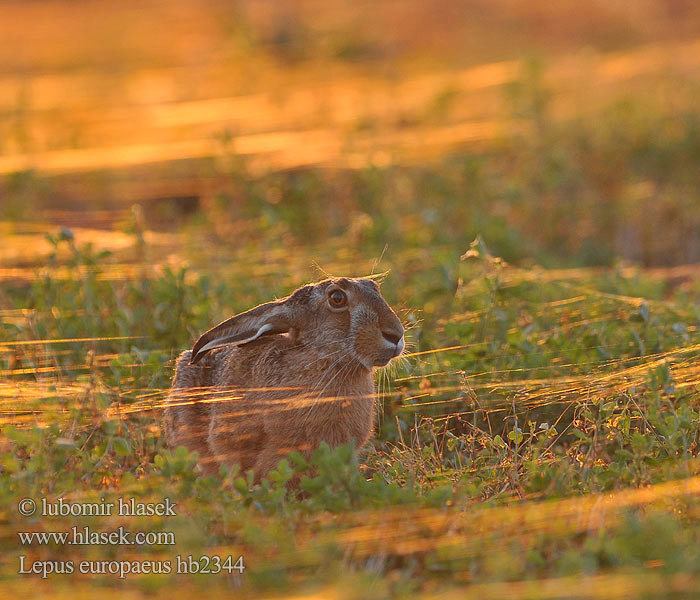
{"points": [[516, 435], [121, 446]]}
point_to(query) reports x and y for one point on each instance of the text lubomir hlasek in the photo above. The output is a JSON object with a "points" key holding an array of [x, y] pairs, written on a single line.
{"points": [[123, 508]]}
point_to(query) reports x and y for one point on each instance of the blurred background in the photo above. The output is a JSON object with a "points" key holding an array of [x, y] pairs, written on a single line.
{"points": [[563, 133]]}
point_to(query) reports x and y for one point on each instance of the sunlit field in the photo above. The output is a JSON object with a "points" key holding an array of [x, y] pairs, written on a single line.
{"points": [[522, 178]]}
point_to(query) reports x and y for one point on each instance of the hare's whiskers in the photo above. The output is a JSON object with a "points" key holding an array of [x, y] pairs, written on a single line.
{"points": [[320, 358], [348, 373], [328, 369], [320, 394]]}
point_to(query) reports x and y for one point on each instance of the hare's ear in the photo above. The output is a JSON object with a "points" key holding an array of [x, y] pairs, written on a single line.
{"points": [[266, 319]]}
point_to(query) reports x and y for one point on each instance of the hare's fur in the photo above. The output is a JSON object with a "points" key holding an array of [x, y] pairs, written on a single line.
{"points": [[284, 376]]}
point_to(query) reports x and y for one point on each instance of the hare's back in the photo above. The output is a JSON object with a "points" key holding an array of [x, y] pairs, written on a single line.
{"points": [[185, 420]]}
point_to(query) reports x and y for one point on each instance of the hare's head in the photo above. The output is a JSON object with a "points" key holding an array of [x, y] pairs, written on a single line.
{"points": [[334, 315]]}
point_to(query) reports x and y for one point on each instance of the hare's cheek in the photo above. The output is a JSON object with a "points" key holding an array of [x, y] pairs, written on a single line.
{"points": [[367, 342]]}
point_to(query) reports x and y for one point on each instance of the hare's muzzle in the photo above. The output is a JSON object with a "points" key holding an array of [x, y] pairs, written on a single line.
{"points": [[392, 346], [395, 339]]}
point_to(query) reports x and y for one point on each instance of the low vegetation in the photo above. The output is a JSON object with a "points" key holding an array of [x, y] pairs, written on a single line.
{"points": [[543, 426]]}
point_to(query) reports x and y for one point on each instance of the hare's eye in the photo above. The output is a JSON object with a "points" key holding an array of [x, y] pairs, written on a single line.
{"points": [[337, 299]]}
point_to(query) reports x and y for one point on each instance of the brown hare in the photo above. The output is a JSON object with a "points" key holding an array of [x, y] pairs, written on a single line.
{"points": [[283, 376]]}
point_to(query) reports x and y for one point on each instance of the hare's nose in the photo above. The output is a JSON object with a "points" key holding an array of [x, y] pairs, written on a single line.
{"points": [[392, 336]]}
